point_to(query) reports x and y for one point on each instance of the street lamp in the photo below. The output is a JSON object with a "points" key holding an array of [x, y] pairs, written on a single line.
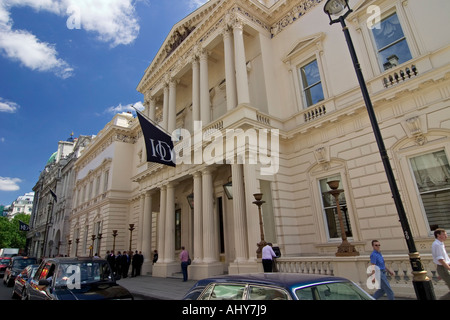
{"points": [[345, 249], [422, 284], [131, 228], [262, 243], [114, 240]]}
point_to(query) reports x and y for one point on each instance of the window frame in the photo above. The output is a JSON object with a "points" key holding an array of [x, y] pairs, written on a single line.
{"points": [[413, 178], [304, 88]]}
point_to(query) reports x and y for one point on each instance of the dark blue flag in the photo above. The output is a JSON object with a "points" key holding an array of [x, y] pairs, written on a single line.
{"points": [[54, 195], [158, 144], [23, 226]]}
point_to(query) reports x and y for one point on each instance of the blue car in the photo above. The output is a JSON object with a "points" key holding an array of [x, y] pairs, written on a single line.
{"points": [[276, 286], [23, 280]]}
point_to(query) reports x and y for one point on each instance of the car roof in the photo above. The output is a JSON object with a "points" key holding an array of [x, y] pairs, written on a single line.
{"points": [[74, 259], [21, 257], [286, 280]]}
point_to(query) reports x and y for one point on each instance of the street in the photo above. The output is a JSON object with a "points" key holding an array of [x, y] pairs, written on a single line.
{"points": [[5, 292]]}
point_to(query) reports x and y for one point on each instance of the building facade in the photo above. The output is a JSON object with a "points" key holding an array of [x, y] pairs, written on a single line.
{"points": [[261, 96], [49, 221]]}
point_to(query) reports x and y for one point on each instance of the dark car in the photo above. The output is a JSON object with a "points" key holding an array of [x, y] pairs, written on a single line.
{"points": [[15, 266], [276, 286], [22, 281], [4, 261], [75, 279]]}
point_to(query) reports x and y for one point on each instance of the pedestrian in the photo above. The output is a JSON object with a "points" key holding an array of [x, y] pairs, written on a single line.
{"points": [[184, 257], [377, 260], [118, 261], [440, 256], [111, 260], [155, 256], [140, 263], [267, 257], [126, 261]]}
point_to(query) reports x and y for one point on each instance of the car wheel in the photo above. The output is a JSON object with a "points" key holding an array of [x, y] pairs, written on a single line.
{"points": [[25, 294], [14, 295]]}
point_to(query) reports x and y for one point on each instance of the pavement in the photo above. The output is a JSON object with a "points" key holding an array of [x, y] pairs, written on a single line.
{"points": [[154, 288]]}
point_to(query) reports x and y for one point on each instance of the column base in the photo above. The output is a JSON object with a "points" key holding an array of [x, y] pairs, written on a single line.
{"points": [[204, 270], [147, 268], [240, 267], [165, 270]]}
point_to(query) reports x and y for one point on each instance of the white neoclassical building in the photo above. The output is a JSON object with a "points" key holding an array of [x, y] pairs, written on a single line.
{"points": [[264, 98]]}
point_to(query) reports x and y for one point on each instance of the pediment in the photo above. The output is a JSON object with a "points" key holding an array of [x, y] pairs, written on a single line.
{"points": [[303, 44], [181, 30]]}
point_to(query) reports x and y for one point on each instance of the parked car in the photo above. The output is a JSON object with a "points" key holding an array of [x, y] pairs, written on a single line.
{"points": [[75, 279], [23, 280], [276, 286], [15, 266], [4, 261]]}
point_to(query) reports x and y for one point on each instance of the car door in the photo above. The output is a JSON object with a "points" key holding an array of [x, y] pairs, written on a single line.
{"points": [[39, 291]]}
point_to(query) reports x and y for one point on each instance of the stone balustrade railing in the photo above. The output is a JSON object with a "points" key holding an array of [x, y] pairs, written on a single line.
{"points": [[355, 269]]}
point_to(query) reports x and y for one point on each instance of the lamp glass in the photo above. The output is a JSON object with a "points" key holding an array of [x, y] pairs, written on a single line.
{"points": [[335, 7], [190, 199], [228, 188]]}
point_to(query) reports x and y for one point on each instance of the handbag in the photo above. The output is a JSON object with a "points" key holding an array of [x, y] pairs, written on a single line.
{"points": [[189, 261]]}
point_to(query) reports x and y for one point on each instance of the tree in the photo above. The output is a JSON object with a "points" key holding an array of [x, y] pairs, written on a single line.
{"points": [[10, 235]]}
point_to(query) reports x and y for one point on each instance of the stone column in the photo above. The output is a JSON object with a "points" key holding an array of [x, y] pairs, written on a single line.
{"points": [[230, 74], [172, 106], [251, 187], [152, 109], [140, 223], [169, 236], [241, 64], [209, 236], [195, 91], [239, 213], [161, 224], [147, 234], [198, 221], [166, 108], [205, 108]]}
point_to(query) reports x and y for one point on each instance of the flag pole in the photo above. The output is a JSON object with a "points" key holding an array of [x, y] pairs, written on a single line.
{"points": [[153, 122]]}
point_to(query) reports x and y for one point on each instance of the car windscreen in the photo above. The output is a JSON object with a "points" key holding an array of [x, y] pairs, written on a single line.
{"points": [[82, 273], [22, 263]]}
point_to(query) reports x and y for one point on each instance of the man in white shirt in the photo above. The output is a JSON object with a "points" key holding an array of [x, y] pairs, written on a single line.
{"points": [[440, 256], [267, 256]]}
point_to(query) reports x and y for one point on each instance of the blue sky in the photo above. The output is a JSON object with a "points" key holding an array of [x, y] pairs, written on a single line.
{"points": [[68, 66]]}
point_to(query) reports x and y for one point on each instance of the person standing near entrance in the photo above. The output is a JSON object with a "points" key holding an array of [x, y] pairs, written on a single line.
{"points": [[376, 259], [184, 257], [440, 256], [267, 257]]}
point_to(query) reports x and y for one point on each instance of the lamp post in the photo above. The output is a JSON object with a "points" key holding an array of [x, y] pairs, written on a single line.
{"points": [[114, 240], [422, 284], [345, 249], [262, 243], [131, 228]]}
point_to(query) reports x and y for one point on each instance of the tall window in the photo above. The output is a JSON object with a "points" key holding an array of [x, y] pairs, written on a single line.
{"points": [[432, 175], [391, 45], [330, 209], [311, 83]]}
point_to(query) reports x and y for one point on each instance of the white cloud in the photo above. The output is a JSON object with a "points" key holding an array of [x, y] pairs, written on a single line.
{"points": [[125, 108], [8, 106], [194, 4], [9, 184], [113, 21], [23, 46]]}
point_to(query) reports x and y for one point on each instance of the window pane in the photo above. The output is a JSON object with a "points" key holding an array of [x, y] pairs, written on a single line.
{"points": [[432, 175], [310, 74], [312, 86], [338, 291], [266, 293], [314, 94], [330, 209], [390, 41], [227, 292]]}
